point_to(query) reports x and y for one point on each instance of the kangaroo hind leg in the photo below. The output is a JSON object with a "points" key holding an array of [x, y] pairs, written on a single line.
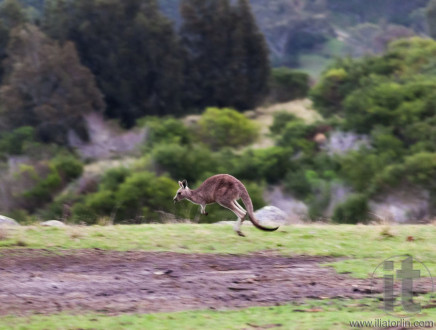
{"points": [[240, 208], [238, 212]]}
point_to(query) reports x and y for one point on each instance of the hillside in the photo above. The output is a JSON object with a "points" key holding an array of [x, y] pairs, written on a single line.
{"points": [[308, 34]]}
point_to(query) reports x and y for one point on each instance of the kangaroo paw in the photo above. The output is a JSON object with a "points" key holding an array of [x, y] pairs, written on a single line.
{"points": [[240, 233]]}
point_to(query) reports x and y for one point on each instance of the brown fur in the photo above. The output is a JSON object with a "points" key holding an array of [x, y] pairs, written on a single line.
{"points": [[225, 190]]}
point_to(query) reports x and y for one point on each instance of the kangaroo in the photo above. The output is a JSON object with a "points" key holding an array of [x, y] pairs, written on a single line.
{"points": [[225, 190]]}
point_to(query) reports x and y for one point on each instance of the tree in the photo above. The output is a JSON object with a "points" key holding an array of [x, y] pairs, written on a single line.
{"points": [[130, 47], [11, 15], [250, 65], [431, 18], [46, 86], [226, 55]]}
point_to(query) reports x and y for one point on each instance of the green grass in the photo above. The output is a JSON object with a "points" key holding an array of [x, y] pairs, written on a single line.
{"points": [[364, 247], [319, 314]]}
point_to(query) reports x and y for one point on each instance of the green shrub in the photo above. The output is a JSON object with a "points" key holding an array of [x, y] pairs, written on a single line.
{"points": [[226, 127], [101, 202], [297, 183], [142, 194], [354, 210], [287, 84], [134, 199], [43, 188], [359, 168], [270, 164], [319, 199], [329, 93], [22, 216], [15, 142], [68, 166], [183, 162], [297, 135], [281, 119], [113, 177], [166, 130], [82, 213], [418, 169]]}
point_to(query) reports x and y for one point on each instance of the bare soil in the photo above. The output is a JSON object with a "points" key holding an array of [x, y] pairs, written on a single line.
{"points": [[45, 282]]}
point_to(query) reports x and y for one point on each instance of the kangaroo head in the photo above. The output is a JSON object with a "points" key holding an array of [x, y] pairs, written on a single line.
{"points": [[183, 192]]}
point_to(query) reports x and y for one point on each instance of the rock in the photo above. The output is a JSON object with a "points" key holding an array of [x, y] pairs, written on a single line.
{"points": [[5, 221], [53, 223], [340, 143], [271, 215]]}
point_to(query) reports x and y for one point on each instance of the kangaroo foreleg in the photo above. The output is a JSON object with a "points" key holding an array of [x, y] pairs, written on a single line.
{"points": [[203, 210]]}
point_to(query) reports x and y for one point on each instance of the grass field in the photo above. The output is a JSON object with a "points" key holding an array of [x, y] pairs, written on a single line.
{"points": [[329, 314], [360, 248], [363, 247]]}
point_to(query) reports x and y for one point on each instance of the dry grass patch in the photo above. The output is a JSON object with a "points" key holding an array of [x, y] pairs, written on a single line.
{"points": [[4, 234]]}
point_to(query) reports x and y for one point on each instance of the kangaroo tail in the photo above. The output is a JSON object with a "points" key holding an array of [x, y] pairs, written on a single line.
{"points": [[249, 206]]}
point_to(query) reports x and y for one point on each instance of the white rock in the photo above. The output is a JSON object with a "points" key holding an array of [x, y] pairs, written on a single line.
{"points": [[271, 215], [53, 223], [5, 221]]}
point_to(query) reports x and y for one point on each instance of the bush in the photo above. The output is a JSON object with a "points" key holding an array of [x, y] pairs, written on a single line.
{"points": [[329, 92], [297, 183], [15, 142], [270, 164], [287, 84], [166, 130], [143, 193], [82, 213], [68, 166], [43, 188], [226, 127], [102, 202], [132, 198], [359, 168], [183, 162], [297, 135], [281, 119], [354, 210], [418, 169], [113, 177]]}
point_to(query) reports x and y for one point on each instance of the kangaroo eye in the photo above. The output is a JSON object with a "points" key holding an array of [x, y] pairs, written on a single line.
{"points": [[179, 193]]}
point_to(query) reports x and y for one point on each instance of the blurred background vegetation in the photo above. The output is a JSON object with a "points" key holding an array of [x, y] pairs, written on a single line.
{"points": [[105, 104]]}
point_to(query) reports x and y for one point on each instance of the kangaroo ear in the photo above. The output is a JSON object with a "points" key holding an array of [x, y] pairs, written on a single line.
{"points": [[180, 184], [185, 183]]}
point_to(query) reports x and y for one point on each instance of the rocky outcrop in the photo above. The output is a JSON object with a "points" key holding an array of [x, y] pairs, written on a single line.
{"points": [[5, 221], [106, 140], [339, 143], [271, 215], [53, 223], [402, 206]]}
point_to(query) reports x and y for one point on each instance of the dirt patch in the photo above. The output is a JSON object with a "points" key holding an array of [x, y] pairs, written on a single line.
{"points": [[40, 281]]}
